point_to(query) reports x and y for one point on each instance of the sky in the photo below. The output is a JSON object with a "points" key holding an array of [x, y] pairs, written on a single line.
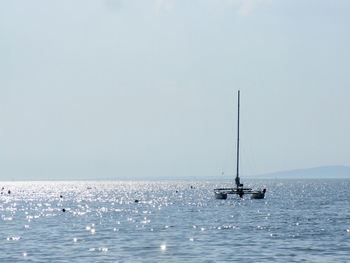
{"points": [[126, 89]]}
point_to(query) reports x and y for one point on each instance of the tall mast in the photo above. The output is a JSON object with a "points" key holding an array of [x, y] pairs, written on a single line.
{"points": [[237, 171]]}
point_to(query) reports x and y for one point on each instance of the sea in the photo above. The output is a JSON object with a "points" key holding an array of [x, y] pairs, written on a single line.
{"points": [[174, 221]]}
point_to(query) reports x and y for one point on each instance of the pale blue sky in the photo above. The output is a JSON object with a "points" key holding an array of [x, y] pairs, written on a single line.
{"points": [[141, 89]]}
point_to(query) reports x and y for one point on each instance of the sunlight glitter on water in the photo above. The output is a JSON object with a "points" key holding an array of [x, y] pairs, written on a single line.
{"points": [[170, 217]]}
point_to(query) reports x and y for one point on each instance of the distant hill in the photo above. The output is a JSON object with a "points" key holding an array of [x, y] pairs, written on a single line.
{"points": [[311, 173]]}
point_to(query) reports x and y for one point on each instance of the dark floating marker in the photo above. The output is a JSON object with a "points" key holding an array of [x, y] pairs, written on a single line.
{"points": [[9, 192], [136, 201], [61, 196], [63, 210]]}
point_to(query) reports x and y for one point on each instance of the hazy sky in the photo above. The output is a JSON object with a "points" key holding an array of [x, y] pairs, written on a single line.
{"points": [[141, 89]]}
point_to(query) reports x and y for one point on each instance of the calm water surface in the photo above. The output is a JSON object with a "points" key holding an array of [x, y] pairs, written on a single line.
{"points": [[298, 221]]}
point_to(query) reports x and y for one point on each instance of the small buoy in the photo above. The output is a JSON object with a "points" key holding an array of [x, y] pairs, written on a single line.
{"points": [[9, 192], [61, 196], [63, 210], [136, 201], [177, 191]]}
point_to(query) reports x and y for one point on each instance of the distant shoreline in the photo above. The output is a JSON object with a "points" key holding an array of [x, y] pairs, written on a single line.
{"points": [[321, 172]]}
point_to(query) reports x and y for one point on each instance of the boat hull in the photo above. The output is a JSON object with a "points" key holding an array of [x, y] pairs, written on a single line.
{"points": [[219, 195], [258, 195]]}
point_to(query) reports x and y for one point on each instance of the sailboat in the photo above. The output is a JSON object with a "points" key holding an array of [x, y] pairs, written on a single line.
{"points": [[221, 193]]}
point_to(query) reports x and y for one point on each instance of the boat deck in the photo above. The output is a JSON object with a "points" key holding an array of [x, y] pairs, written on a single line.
{"points": [[221, 193], [235, 190]]}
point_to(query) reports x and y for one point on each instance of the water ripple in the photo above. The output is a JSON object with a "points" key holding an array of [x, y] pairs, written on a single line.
{"points": [[174, 222]]}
